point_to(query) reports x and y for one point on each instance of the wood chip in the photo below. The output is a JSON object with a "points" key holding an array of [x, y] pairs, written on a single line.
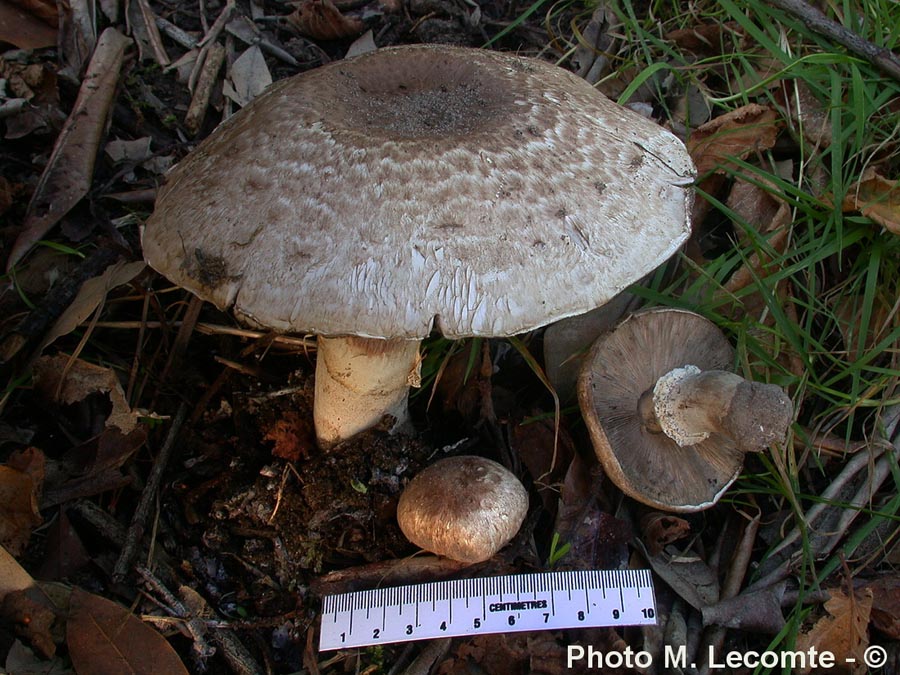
{"points": [[215, 57]]}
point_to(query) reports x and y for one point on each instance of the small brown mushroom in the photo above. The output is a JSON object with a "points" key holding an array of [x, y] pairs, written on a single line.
{"points": [[465, 508], [669, 423]]}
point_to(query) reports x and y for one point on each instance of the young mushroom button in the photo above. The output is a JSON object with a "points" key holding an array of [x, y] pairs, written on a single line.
{"points": [[465, 508], [669, 423], [425, 187]]}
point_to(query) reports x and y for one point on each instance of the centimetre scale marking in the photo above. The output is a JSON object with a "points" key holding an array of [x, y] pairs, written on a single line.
{"points": [[513, 603]]}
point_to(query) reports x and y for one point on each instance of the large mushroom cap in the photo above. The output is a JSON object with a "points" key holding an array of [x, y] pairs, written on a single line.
{"points": [[648, 465], [466, 508], [377, 196]]}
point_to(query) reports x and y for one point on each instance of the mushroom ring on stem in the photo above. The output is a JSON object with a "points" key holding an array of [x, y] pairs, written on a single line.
{"points": [[669, 422], [465, 508], [415, 188]]}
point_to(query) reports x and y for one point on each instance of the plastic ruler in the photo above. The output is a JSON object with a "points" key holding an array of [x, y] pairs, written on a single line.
{"points": [[520, 602]]}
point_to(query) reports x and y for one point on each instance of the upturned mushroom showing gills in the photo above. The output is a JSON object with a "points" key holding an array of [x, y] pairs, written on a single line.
{"points": [[669, 422], [425, 187], [465, 508]]}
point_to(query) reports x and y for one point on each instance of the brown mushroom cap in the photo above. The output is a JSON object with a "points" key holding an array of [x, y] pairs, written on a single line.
{"points": [[466, 508], [378, 196], [645, 464]]}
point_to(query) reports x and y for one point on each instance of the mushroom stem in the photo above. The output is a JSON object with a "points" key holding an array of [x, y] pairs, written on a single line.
{"points": [[358, 382], [690, 404]]}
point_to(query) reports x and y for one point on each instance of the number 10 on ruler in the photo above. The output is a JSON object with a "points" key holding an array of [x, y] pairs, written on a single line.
{"points": [[550, 600]]}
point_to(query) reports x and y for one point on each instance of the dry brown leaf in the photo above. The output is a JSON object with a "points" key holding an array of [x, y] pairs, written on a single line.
{"points": [[843, 632], [293, 436], [70, 170], [77, 36], [13, 576], [705, 38], [751, 128], [882, 318], [31, 618], [92, 293], [807, 113], [756, 204], [142, 24], [876, 197], [19, 512], [364, 44], [759, 266], [63, 380], [64, 553], [463, 387], [886, 605], [24, 28], [45, 10], [659, 529], [321, 20], [105, 639], [533, 442], [247, 77]]}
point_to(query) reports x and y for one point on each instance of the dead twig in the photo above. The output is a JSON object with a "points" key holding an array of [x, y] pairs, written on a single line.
{"points": [[181, 37], [148, 496], [433, 652], [194, 625], [816, 21], [740, 561], [206, 80], [217, 329], [209, 41]]}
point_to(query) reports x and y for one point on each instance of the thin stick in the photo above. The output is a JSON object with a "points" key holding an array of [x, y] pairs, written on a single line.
{"points": [[148, 496], [194, 625], [816, 21], [715, 637], [215, 329]]}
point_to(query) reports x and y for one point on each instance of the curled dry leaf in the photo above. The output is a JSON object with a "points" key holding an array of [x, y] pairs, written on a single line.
{"points": [[19, 512], [32, 619], [843, 631], [877, 198], [750, 128], [105, 639], [70, 169], [886, 605], [63, 380], [321, 20], [661, 529]]}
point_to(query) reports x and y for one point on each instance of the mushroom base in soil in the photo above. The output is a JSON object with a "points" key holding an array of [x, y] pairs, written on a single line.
{"points": [[669, 423], [359, 381]]}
